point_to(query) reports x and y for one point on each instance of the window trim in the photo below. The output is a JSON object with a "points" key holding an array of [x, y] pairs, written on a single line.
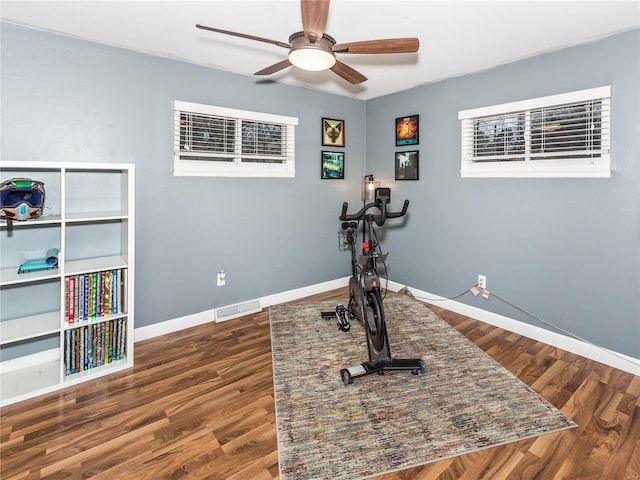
{"points": [[547, 168], [213, 168]]}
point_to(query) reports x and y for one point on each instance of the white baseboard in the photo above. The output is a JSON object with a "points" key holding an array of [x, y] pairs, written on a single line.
{"points": [[579, 347], [587, 350], [173, 325], [303, 292], [176, 324]]}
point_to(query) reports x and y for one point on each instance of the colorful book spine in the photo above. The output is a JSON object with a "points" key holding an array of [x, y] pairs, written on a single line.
{"points": [[85, 297], [125, 292], [80, 296], [114, 292], [99, 342], [76, 296], [67, 352], [91, 308], [66, 298], [78, 350], [107, 293], [71, 300]]}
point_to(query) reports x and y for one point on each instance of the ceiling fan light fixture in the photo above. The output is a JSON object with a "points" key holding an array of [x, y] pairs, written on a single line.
{"points": [[312, 59], [313, 56]]}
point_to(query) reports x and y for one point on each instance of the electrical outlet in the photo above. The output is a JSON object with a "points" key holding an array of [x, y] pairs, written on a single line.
{"points": [[222, 278], [482, 281]]}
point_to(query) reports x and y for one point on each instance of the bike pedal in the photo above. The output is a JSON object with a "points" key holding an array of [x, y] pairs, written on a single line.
{"points": [[344, 328]]}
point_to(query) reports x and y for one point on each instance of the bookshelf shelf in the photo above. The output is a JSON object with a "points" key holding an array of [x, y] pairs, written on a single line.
{"points": [[87, 265], [32, 326], [31, 380], [95, 216], [89, 216], [44, 220], [10, 276], [97, 371], [92, 321]]}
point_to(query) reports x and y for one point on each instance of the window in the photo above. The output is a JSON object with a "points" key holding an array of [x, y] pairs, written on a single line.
{"points": [[564, 135], [225, 142]]}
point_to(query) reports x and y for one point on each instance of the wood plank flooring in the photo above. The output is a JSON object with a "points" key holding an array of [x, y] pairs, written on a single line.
{"points": [[199, 405]]}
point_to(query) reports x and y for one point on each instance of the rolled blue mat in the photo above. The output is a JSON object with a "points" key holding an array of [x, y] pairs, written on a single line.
{"points": [[52, 256]]}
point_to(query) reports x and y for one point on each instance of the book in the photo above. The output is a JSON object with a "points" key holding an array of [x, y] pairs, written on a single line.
{"points": [[66, 298], [71, 290], [67, 352], [125, 292]]}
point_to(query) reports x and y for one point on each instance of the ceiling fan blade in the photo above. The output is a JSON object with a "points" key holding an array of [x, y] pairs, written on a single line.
{"points": [[387, 45], [276, 67], [244, 35], [349, 74], [314, 18]]}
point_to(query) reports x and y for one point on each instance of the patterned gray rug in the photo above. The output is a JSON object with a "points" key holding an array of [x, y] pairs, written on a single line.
{"points": [[464, 402]]}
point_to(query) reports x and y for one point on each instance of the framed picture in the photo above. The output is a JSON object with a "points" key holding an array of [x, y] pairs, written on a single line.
{"points": [[332, 132], [407, 165], [332, 167], [407, 130]]}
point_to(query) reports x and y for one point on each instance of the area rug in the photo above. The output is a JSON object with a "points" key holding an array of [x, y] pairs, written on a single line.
{"points": [[464, 402]]}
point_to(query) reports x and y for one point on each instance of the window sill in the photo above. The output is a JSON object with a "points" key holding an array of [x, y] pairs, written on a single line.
{"points": [[184, 168], [238, 174], [534, 171]]}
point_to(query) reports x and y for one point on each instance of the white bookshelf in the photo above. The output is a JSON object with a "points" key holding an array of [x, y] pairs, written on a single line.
{"points": [[90, 217]]}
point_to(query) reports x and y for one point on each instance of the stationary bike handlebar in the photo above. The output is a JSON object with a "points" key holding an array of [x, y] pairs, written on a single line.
{"points": [[378, 218]]}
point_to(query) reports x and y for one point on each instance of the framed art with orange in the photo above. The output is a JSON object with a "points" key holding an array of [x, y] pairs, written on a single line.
{"points": [[407, 129]]}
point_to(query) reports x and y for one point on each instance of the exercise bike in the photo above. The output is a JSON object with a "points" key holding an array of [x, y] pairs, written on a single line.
{"points": [[365, 297]]}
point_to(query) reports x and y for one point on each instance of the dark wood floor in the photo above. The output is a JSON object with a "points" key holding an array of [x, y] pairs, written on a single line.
{"points": [[199, 404]]}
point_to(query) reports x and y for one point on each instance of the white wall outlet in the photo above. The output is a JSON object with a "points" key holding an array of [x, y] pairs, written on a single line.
{"points": [[222, 278], [482, 281]]}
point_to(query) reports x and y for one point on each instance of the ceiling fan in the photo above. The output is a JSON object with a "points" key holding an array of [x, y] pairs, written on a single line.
{"points": [[314, 50]]}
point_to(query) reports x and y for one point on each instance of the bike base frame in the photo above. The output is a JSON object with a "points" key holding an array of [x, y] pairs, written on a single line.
{"points": [[415, 365]]}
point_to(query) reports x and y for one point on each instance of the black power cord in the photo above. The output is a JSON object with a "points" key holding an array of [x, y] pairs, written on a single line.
{"points": [[487, 294], [443, 299]]}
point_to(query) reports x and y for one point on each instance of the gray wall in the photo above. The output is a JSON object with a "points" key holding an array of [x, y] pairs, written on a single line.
{"points": [[68, 100], [566, 250]]}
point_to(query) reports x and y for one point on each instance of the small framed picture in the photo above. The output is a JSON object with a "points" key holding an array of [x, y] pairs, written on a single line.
{"points": [[332, 167], [407, 130], [332, 132], [407, 165]]}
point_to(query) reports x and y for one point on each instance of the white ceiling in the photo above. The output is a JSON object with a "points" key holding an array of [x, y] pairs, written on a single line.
{"points": [[456, 37]]}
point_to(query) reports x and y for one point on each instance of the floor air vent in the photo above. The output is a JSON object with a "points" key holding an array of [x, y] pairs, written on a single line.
{"points": [[237, 310]]}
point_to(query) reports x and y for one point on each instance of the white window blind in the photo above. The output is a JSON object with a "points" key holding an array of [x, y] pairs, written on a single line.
{"points": [[219, 141], [559, 135]]}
